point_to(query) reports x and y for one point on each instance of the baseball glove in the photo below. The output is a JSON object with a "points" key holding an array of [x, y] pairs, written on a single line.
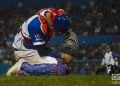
{"points": [[70, 43]]}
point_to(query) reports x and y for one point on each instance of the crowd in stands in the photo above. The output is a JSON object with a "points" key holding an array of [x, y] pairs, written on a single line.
{"points": [[94, 18]]}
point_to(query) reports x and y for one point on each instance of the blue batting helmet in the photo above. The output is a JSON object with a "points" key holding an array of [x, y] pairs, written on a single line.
{"points": [[61, 23]]}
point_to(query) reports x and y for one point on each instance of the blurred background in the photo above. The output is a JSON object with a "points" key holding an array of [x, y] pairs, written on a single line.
{"points": [[96, 23]]}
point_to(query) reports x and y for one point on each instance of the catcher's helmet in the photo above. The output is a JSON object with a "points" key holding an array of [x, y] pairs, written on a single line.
{"points": [[61, 23], [60, 20]]}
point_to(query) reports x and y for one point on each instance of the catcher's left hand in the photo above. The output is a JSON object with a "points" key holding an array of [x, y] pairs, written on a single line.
{"points": [[66, 57]]}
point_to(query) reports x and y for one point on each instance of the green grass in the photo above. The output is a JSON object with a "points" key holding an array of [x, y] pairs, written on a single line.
{"points": [[70, 80]]}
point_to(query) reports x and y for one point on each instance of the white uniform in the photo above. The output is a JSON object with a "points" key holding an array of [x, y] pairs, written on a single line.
{"points": [[109, 59]]}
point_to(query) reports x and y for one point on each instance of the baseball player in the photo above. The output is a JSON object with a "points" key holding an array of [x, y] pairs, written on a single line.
{"points": [[109, 60], [30, 43]]}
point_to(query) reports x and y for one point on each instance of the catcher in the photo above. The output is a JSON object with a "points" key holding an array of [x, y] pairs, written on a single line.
{"points": [[31, 52], [69, 46]]}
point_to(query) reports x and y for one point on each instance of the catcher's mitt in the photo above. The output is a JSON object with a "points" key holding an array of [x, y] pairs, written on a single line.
{"points": [[70, 43]]}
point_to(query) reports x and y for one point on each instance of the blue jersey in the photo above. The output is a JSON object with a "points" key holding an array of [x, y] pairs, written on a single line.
{"points": [[34, 30], [33, 34]]}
